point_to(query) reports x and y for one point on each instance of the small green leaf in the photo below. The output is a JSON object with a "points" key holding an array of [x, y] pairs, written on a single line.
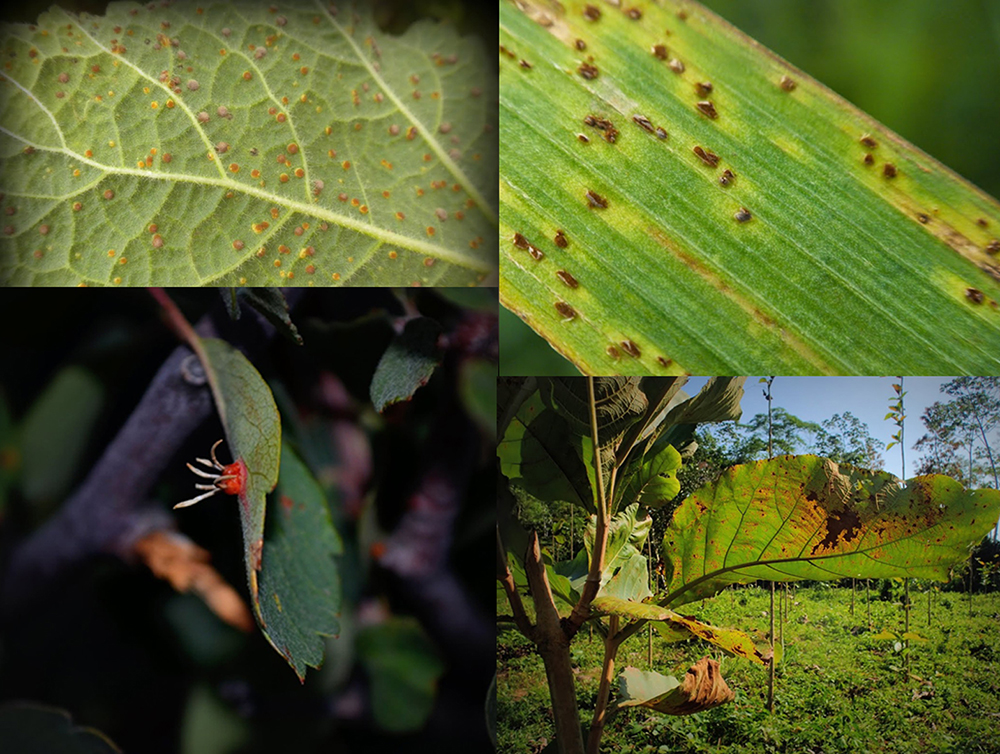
{"points": [[253, 433], [272, 304], [34, 729], [407, 364], [56, 431], [299, 580], [291, 147], [403, 667]]}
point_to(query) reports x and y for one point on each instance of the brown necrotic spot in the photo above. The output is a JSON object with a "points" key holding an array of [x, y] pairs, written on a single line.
{"points": [[663, 361], [109, 194], [591, 13], [889, 171], [524, 64], [596, 200], [157, 241], [223, 112], [659, 52], [975, 295], [583, 138], [631, 348], [706, 108], [981, 222], [560, 240], [580, 45], [588, 70], [709, 158], [566, 311], [727, 177], [63, 78], [924, 219], [704, 88], [676, 66], [8, 230], [44, 230], [634, 13], [77, 206], [535, 253], [612, 352], [222, 147], [661, 133], [193, 85], [520, 241], [567, 279], [787, 83], [742, 215], [643, 122], [868, 141], [868, 160], [993, 247], [238, 245]]}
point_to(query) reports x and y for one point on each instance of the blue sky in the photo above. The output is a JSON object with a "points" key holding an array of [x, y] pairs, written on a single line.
{"points": [[818, 398]]}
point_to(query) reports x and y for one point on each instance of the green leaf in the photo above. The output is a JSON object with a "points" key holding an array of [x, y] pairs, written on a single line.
{"points": [[655, 484], [34, 729], [267, 147], [253, 434], [541, 458], [733, 641], [272, 304], [403, 668], [838, 268], [407, 364], [803, 517], [299, 579], [478, 388], [56, 430], [625, 573]]}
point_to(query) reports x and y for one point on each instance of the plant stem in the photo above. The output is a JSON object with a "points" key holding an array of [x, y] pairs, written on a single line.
{"points": [[604, 691], [505, 577], [553, 645], [770, 672], [581, 610]]}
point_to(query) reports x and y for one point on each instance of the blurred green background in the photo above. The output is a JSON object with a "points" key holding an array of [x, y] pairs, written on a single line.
{"points": [[929, 70]]}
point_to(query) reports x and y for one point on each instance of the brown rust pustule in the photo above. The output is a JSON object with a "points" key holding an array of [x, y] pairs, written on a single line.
{"points": [[709, 158], [568, 280], [595, 200], [588, 71], [706, 108], [566, 311]]}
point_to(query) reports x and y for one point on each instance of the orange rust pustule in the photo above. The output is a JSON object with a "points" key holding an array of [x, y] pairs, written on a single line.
{"points": [[238, 471]]}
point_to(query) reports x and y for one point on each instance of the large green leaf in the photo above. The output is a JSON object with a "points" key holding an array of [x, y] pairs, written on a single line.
{"points": [[838, 268], [803, 517], [625, 573], [242, 144], [655, 483], [299, 581], [253, 434]]}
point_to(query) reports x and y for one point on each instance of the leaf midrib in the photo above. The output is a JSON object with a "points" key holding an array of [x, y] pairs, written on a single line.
{"points": [[369, 229]]}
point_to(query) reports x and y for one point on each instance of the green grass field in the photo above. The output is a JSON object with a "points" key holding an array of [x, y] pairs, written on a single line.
{"points": [[838, 689]]}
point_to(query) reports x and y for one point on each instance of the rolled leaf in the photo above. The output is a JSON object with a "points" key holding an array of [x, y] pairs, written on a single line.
{"points": [[702, 688]]}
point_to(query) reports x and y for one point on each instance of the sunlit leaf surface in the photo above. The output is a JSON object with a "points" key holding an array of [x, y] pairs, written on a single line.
{"points": [[675, 198]]}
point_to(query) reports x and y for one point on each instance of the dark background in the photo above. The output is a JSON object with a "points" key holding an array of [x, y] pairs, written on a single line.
{"points": [[155, 670], [927, 69]]}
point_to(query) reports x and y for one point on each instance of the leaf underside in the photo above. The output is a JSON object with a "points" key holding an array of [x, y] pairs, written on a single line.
{"points": [[836, 268], [244, 144], [804, 517]]}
